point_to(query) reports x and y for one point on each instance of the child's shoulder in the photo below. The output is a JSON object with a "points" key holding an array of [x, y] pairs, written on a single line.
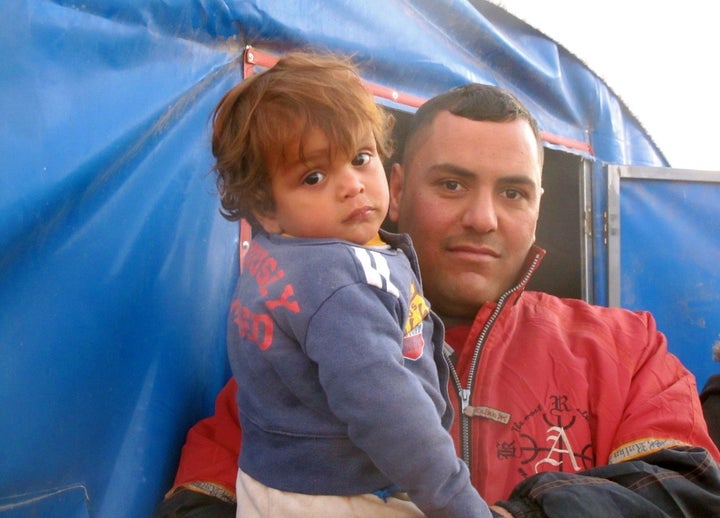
{"points": [[326, 257], [319, 248], [303, 252], [317, 268]]}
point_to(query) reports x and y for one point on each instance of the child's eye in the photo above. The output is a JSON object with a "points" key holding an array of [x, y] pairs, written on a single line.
{"points": [[361, 159], [314, 178]]}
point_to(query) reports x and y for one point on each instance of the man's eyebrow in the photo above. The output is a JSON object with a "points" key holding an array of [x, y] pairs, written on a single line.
{"points": [[454, 169], [518, 179], [449, 167]]}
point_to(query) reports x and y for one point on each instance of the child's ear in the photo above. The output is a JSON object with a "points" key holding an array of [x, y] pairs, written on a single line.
{"points": [[268, 221]]}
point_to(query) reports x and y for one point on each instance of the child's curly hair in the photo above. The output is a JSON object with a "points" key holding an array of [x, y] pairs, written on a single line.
{"points": [[258, 119]]}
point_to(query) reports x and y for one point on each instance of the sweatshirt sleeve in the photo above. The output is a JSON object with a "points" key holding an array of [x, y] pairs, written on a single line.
{"points": [[388, 413]]}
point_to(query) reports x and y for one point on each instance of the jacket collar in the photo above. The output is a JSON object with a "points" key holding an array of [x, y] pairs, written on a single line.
{"points": [[532, 263]]}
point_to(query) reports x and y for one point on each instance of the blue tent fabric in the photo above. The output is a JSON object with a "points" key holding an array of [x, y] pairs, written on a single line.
{"points": [[115, 265]]}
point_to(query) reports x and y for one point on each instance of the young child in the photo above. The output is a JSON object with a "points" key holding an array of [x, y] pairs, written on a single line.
{"points": [[342, 383]]}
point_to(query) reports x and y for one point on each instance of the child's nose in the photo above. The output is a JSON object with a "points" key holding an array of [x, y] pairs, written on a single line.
{"points": [[351, 183]]}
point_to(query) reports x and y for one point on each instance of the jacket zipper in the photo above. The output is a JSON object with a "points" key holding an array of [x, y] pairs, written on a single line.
{"points": [[464, 393]]}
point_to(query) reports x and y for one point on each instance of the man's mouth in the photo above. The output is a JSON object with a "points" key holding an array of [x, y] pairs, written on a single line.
{"points": [[473, 251]]}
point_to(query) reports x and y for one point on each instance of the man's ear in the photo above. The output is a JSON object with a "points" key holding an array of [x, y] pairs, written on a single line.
{"points": [[397, 179], [268, 222]]}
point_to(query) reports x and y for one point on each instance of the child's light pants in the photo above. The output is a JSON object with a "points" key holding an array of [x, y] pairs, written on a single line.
{"points": [[256, 500]]}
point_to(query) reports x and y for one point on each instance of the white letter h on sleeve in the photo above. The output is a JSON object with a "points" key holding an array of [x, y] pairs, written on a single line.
{"points": [[377, 272]]}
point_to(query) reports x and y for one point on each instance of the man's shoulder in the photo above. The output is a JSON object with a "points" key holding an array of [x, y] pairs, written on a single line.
{"points": [[571, 309], [583, 329]]}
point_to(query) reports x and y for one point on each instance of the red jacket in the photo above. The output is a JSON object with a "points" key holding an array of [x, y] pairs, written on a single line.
{"points": [[561, 385], [212, 447], [558, 385]]}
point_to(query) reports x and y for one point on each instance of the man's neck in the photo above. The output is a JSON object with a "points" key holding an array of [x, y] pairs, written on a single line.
{"points": [[455, 321]]}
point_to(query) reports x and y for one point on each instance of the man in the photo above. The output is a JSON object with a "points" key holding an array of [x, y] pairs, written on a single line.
{"points": [[562, 408]]}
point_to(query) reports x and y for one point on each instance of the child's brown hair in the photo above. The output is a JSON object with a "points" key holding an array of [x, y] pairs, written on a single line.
{"points": [[258, 119]]}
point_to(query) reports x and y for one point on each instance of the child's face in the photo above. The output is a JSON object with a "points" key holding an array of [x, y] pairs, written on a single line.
{"points": [[320, 197]]}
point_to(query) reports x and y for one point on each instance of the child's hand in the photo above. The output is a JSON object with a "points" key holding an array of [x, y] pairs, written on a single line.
{"points": [[501, 511]]}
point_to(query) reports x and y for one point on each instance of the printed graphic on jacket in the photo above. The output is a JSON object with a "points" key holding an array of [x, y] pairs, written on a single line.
{"points": [[258, 328], [377, 273], [413, 338], [554, 449]]}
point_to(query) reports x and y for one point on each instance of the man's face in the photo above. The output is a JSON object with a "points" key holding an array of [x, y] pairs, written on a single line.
{"points": [[469, 197]]}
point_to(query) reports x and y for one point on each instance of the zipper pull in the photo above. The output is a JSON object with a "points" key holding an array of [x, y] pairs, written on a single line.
{"points": [[464, 399]]}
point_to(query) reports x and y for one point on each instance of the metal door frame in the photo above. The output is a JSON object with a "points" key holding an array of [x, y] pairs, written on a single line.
{"points": [[615, 175]]}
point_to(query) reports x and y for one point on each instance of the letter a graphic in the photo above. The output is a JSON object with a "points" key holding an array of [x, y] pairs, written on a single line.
{"points": [[559, 439]]}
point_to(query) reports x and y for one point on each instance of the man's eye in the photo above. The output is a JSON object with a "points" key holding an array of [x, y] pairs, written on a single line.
{"points": [[361, 159], [513, 194], [314, 178], [452, 185]]}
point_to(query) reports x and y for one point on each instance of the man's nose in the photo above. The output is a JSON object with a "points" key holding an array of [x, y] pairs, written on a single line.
{"points": [[480, 213]]}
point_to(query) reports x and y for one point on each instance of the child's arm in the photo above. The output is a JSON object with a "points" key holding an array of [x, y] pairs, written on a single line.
{"points": [[388, 410]]}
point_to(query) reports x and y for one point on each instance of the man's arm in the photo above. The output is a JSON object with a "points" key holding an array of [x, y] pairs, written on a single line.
{"points": [[205, 481], [679, 474], [677, 482], [185, 503]]}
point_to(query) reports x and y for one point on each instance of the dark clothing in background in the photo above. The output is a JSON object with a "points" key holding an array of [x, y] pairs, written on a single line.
{"points": [[710, 399]]}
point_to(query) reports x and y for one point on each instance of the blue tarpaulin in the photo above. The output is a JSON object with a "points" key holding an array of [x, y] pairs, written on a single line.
{"points": [[115, 265]]}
